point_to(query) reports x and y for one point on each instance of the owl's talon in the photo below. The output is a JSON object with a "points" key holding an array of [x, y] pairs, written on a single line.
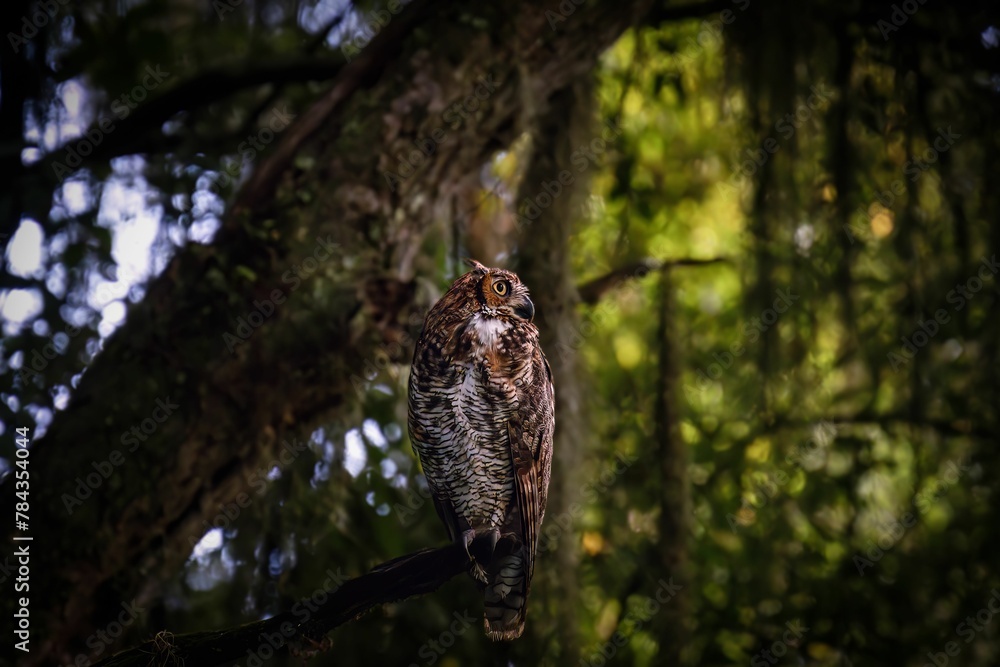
{"points": [[493, 537], [478, 573], [468, 537], [480, 546]]}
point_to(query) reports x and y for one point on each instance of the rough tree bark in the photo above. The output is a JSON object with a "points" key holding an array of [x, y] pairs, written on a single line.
{"points": [[322, 196], [674, 622]]}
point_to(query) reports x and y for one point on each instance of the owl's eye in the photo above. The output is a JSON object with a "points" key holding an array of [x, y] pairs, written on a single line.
{"points": [[501, 287]]}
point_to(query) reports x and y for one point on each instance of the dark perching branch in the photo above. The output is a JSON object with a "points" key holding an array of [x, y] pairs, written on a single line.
{"points": [[304, 626], [593, 290]]}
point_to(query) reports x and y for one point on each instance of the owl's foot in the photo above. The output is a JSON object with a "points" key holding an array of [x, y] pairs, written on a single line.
{"points": [[468, 537], [492, 538], [475, 569], [478, 572], [480, 548]]}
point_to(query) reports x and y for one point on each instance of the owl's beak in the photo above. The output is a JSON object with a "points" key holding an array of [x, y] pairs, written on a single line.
{"points": [[525, 309]]}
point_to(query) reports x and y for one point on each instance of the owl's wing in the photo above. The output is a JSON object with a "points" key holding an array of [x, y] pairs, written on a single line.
{"points": [[526, 488], [546, 432], [530, 436]]}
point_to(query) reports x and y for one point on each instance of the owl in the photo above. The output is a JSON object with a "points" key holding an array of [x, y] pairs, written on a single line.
{"points": [[481, 419]]}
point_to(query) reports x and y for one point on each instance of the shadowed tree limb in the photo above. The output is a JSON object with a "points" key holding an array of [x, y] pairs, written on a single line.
{"points": [[309, 620], [362, 72], [591, 291], [131, 135]]}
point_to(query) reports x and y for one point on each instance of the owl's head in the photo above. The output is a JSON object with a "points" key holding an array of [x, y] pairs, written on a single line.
{"points": [[499, 292]]}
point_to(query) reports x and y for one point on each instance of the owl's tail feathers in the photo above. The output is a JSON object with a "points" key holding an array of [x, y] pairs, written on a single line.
{"points": [[506, 594]]}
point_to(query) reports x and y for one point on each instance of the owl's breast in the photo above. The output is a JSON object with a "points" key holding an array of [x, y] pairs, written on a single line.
{"points": [[460, 403]]}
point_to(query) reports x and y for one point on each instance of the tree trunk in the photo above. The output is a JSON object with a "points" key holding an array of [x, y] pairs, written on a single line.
{"points": [[562, 123], [673, 623]]}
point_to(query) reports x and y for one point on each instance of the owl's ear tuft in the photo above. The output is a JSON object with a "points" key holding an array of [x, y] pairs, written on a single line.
{"points": [[476, 266]]}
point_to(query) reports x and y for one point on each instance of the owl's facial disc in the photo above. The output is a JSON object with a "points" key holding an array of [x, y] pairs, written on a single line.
{"points": [[503, 293]]}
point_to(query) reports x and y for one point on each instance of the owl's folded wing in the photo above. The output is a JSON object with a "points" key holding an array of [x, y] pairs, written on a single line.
{"points": [[526, 488]]}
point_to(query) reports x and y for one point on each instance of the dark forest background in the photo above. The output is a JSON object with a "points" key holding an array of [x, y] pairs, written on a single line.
{"points": [[762, 241]]}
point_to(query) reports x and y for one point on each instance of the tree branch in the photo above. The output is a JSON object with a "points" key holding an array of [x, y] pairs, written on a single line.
{"points": [[593, 290], [418, 573], [212, 85], [362, 72]]}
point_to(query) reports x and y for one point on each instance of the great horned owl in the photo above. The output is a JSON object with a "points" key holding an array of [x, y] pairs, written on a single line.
{"points": [[481, 418]]}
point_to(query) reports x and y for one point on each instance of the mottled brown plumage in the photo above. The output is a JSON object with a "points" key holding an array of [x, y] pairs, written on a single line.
{"points": [[481, 418]]}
